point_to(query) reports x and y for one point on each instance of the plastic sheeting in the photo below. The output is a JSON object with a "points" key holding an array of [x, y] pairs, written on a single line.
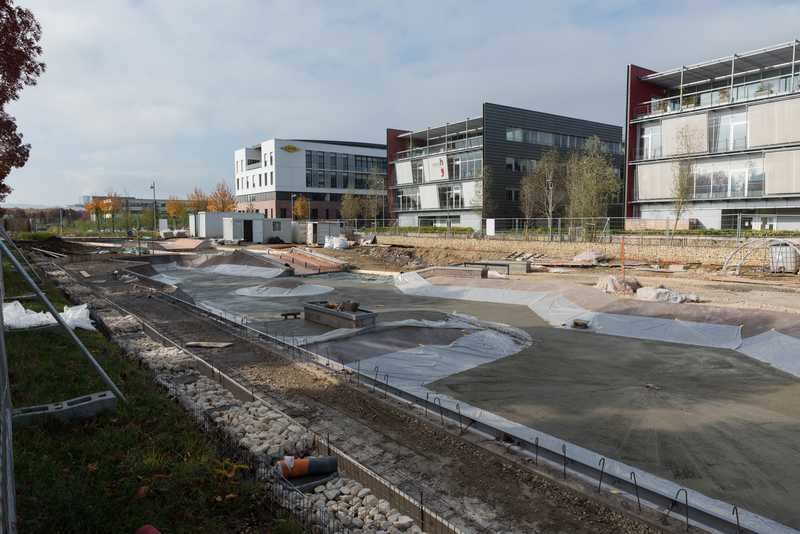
{"points": [[559, 311], [411, 368], [777, 349], [227, 269], [334, 242], [16, 316], [303, 290]]}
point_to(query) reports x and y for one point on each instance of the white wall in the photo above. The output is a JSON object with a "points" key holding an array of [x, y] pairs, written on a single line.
{"points": [[289, 167], [402, 172]]}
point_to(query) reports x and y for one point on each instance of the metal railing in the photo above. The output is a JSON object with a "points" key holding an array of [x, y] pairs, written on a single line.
{"points": [[461, 144], [745, 92]]}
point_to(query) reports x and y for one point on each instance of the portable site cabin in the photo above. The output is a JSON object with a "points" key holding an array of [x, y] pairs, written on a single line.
{"points": [[280, 228], [248, 229], [209, 224], [316, 232]]}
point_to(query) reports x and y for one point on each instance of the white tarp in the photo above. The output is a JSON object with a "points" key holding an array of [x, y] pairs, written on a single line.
{"points": [[777, 349], [227, 269], [16, 316], [334, 242], [560, 311], [303, 290]]}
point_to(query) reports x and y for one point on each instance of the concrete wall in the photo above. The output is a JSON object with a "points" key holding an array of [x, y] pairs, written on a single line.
{"points": [[677, 253]]}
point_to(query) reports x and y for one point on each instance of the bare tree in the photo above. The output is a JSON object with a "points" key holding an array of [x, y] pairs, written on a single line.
{"points": [[683, 181], [372, 204], [591, 182], [543, 191]]}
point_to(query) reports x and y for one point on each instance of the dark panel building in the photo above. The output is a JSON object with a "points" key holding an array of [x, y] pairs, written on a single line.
{"points": [[461, 172]]}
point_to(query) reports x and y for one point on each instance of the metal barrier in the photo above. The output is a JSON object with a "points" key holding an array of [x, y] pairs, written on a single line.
{"points": [[8, 509]]}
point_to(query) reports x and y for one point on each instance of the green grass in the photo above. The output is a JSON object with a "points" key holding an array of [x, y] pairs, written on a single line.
{"points": [[146, 462]]}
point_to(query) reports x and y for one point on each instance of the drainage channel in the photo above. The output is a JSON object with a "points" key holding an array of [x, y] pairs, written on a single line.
{"points": [[643, 488]]}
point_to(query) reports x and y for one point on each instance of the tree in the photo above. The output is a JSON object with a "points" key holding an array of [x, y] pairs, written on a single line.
{"points": [[221, 199], [176, 210], [92, 207], [351, 206], [300, 208], [372, 203], [543, 190], [197, 200], [591, 182], [110, 206], [19, 50], [683, 181]]}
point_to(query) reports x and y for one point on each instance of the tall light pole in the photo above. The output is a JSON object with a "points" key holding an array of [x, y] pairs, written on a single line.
{"points": [[155, 209]]}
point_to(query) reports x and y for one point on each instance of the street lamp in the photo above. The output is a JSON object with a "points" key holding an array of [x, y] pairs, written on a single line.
{"points": [[155, 208]]}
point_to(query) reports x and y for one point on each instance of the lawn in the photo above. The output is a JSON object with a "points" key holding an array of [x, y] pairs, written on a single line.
{"points": [[146, 462]]}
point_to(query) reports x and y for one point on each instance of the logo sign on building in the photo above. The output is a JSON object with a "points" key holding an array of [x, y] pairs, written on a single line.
{"points": [[291, 149], [436, 168]]}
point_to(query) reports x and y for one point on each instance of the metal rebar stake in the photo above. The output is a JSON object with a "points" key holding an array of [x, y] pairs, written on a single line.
{"points": [[60, 320]]}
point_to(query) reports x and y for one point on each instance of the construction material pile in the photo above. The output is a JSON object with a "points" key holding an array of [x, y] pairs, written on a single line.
{"points": [[618, 285], [663, 294]]}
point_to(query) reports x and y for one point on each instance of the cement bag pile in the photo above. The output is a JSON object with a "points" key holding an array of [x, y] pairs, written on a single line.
{"points": [[591, 256], [336, 243], [663, 294], [16, 317], [613, 284]]}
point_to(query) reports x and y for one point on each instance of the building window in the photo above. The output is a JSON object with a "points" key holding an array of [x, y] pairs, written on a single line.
{"points": [[283, 213], [259, 179], [265, 159], [332, 161], [333, 180], [237, 184], [407, 199], [512, 195], [728, 178], [727, 130], [270, 159], [271, 178], [308, 177], [649, 146], [564, 141], [360, 181], [319, 178], [320, 159], [314, 213], [417, 171], [345, 181], [309, 158], [343, 160], [450, 196]]}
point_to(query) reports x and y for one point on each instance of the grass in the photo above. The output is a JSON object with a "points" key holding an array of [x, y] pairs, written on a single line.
{"points": [[146, 462]]}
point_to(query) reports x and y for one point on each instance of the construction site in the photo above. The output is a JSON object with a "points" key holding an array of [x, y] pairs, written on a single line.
{"points": [[536, 387]]}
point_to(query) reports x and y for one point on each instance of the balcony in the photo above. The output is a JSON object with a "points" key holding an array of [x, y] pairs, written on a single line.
{"points": [[450, 146], [721, 96]]}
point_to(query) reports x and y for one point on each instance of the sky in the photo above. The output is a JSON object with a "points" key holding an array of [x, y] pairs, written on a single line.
{"points": [[165, 91]]}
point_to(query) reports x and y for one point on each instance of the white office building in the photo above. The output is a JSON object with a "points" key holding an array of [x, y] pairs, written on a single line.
{"points": [[270, 174]]}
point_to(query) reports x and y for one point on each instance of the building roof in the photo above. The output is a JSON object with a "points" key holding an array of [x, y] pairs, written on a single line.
{"points": [[356, 144], [772, 57]]}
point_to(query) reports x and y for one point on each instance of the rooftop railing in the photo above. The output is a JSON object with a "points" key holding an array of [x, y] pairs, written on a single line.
{"points": [[746, 92], [460, 144]]}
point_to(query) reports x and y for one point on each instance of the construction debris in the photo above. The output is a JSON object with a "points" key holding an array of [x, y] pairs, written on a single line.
{"points": [[663, 294], [616, 285]]}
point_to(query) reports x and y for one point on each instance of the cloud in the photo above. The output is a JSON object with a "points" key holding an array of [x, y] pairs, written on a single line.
{"points": [[144, 90]]}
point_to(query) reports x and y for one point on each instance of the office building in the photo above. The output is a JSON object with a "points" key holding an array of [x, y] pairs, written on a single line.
{"points": [[269, 175], [733, 123], [436, 174]]}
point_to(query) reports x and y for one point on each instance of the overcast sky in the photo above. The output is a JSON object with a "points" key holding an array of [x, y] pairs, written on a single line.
{"points": [[167, 90]]}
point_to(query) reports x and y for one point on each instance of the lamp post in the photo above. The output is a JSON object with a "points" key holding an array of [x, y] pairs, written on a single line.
{"points": [[155, 209]]}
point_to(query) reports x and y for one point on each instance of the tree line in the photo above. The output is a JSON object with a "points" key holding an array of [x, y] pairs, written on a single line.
{"points": [[580, 184]]}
